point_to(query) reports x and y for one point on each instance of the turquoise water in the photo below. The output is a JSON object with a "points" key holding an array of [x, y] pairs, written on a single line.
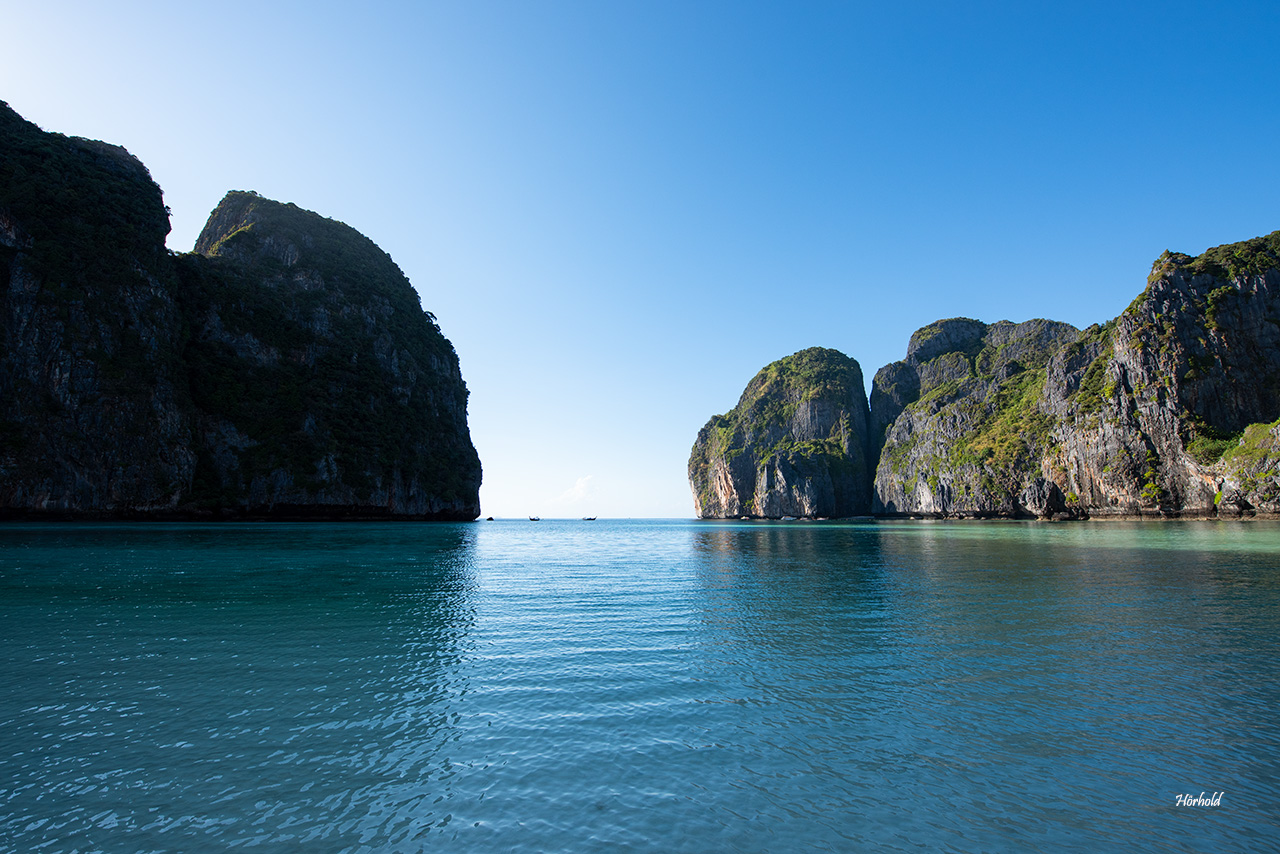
{"points": [[639, 686]]}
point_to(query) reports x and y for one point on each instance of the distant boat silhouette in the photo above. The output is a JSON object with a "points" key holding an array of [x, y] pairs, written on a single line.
{"points": [[588, 518], [535, 518]]}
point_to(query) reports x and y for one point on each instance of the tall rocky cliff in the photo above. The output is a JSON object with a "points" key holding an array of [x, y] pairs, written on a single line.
{"points": [[795, 445], [1171, 409], [1167, 410], [960, 422], [285, 369]]}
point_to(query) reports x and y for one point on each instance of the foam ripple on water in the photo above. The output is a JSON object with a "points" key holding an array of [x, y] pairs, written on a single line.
{"points": [[646, 686]]}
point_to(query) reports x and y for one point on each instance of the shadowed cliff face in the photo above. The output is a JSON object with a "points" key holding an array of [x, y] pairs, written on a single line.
{"points": [[795, 445], [93, 408], [286, 370], [318, 378]]}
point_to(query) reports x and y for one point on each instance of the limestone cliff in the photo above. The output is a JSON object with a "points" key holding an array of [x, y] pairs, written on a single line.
{"points": [[285, 369], [795, 445], [318, 380], [1169, 409], [93, 407], [963, 431]]}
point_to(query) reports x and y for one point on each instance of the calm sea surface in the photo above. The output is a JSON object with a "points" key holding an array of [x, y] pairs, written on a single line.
{"points": [[639, 686]]}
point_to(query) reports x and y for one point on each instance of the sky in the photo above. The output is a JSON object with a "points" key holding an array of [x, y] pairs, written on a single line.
{"points": [[620, 211]]}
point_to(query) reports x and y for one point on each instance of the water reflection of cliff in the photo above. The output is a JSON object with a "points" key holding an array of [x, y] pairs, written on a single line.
{"points": [[287, 681], [792, 587], [1084, 648], [965, 656]]}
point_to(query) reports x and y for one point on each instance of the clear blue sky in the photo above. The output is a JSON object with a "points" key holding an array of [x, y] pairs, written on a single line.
{"points": [[620, 211]]}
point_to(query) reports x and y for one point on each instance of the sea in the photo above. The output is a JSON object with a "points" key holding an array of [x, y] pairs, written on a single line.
{"points": [[647, 685]]}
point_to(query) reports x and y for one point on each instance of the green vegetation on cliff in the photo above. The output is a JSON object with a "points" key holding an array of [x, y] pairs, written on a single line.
{"points": [[773, 394], [1094, 387], [1252, 446], [1013, 430], [801, 420], [1206, 445], [973, 438], [1252, 257]]}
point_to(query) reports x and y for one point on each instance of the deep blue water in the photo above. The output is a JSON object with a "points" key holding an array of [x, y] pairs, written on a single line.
{"points": [[639, 686]]}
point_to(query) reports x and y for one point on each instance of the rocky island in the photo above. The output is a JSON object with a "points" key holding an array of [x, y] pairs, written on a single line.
{"points": [[795, 445], [284, 369], [1170, 410]]}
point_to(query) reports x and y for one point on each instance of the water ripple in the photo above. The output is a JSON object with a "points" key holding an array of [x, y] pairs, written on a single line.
{"points": [[663, 686]]}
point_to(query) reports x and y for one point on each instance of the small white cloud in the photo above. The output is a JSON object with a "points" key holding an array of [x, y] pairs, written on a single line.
{"points": [[577, 492]]}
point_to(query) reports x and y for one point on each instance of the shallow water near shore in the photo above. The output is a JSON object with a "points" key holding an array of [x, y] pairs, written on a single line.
{"points": [[639, 686]]}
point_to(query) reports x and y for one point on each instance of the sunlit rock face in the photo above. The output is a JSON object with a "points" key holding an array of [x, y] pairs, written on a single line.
{"points": [[961, 424], [1168, 410], [1171, 408], [795, 445]]}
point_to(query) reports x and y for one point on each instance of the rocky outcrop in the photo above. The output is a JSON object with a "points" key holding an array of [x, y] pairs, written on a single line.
{"points": [[318, 380], [1248, 473], [963, 428], [1171, 409], [286, 369], [1167, 410], [92, 391], [795, 445]]}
